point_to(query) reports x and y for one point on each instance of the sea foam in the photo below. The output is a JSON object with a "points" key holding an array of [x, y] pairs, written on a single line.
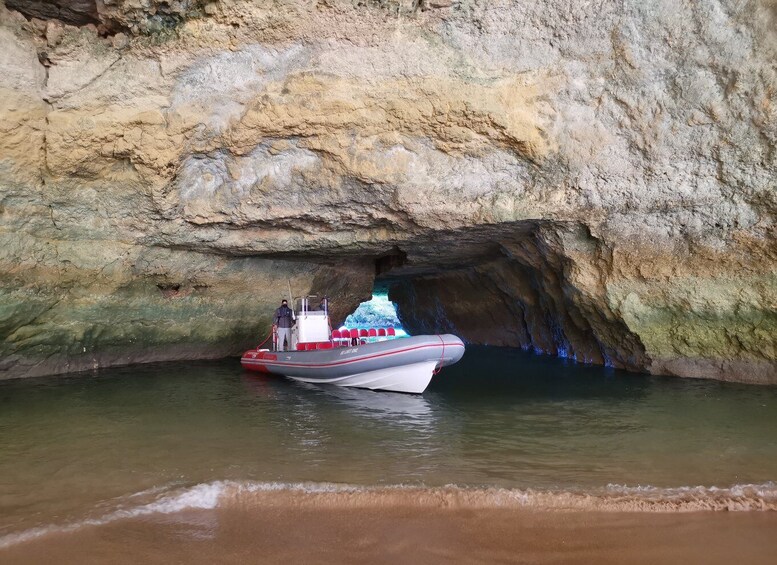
{"points": [[249, 494]]}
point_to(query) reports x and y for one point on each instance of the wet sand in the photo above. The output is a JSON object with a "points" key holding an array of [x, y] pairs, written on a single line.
{"points": [[303, 533]]}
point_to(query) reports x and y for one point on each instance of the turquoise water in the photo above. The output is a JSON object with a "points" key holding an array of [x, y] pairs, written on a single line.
{"points": [[85, 445]]}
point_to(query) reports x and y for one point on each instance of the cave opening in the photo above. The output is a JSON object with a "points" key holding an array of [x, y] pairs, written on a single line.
{"points": [[534, 285], [378, 312]]}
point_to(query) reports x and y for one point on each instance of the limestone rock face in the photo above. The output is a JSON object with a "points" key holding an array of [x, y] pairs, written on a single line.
{"points": [[593, 180]]}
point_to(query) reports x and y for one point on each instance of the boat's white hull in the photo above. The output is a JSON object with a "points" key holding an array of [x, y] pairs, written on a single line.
{"points": [[412, 378], [401, 365]]}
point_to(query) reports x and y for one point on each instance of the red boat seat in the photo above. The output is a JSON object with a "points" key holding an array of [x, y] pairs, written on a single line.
{"points": [[324, 345], [391, 333], [345, 338], [381, 332], [353, 334]]}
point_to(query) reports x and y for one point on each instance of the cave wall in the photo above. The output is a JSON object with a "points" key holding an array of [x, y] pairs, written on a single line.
{"points": [[555, 289], [603, 171], [76, 307]]}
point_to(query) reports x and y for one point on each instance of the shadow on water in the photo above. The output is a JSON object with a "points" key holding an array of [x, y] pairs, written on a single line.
{"points": [[493, 372]]}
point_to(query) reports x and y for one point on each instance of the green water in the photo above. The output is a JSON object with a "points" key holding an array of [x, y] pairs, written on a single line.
{"points": [[82, 445]]}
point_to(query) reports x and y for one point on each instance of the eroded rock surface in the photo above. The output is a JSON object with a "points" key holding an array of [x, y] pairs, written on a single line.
{"points": [[592, 180]]}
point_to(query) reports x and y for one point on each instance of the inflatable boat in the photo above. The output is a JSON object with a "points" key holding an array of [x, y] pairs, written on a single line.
{"points": [[401, 365]]}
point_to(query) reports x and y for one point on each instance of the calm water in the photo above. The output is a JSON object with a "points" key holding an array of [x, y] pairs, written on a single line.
{"points": [[81, 446]]}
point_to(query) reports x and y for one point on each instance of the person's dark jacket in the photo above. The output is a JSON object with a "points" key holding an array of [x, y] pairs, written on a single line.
{"points": [[283, 317]]}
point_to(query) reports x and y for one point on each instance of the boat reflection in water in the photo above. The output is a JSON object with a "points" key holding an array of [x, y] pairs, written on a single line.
{"points": [[397, 409]]}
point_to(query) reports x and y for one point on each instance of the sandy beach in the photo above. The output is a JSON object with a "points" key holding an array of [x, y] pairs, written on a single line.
{"points": [[304, 532]]}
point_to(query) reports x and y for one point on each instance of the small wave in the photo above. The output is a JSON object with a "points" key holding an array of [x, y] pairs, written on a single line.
{"points": [[203, 496], [612, 498]]}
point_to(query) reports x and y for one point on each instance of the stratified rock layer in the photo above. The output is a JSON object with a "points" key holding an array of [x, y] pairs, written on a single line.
{"points": [[590, 180]]}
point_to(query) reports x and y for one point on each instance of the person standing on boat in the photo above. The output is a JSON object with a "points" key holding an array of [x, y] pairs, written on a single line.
{"points": [[282, 322], [324, 306]]}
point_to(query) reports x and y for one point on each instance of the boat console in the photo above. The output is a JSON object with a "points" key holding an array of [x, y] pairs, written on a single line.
{"points": [[312, 325]]}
